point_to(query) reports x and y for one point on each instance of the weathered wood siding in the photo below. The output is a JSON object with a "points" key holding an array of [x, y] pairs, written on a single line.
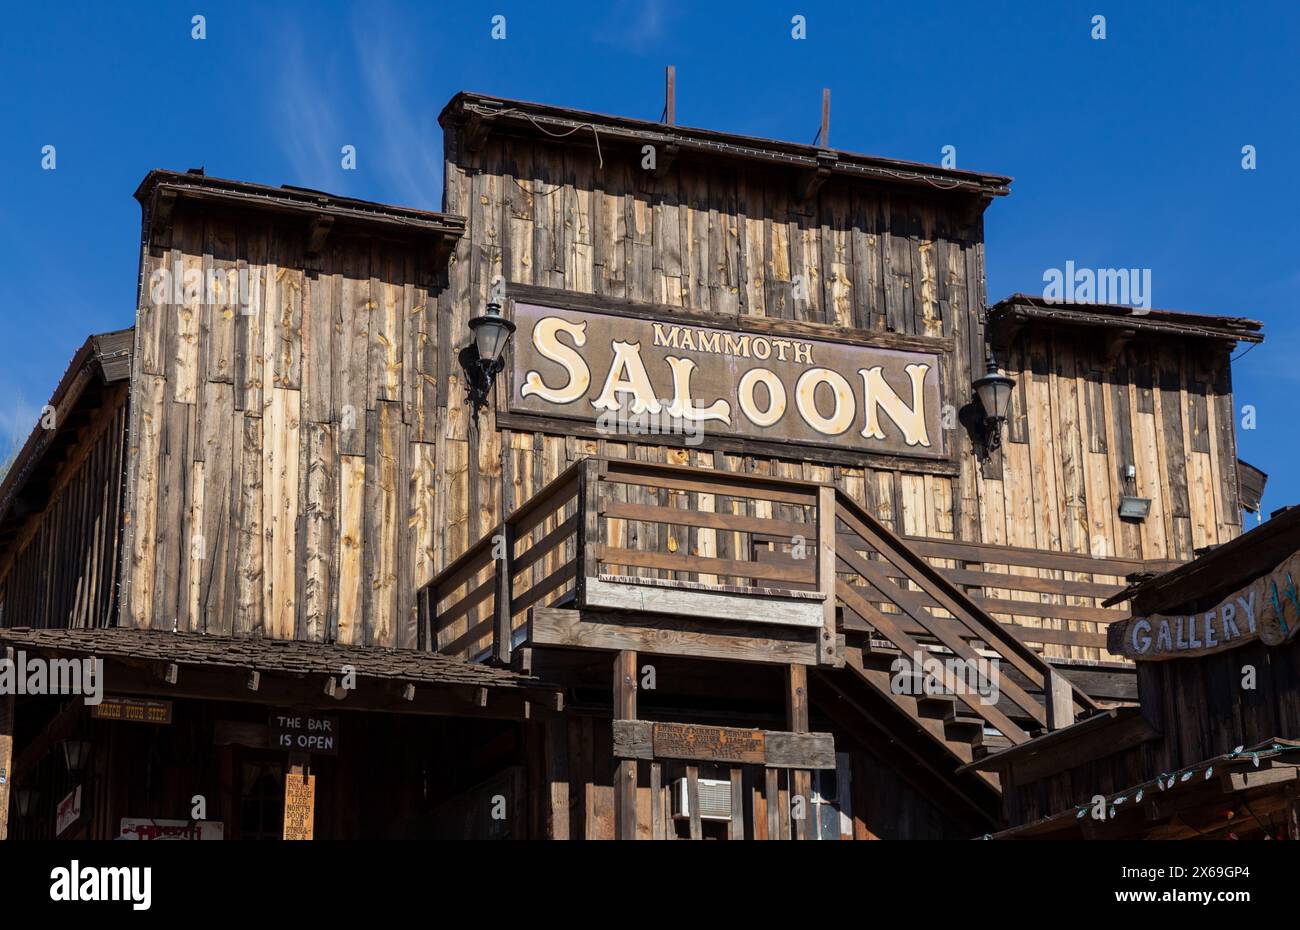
{"points": [[1078, 420], [284, 454], [304, 468], [714, 239]]}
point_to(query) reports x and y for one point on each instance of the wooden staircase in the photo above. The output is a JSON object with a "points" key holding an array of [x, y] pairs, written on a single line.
{"points": [[624, 555], [885, 591]]}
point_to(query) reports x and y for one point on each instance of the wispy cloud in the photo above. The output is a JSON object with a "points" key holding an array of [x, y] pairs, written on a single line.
{"points": [[634, 24], [311, 139], [364, 99], [407, 143], [17, 420]]}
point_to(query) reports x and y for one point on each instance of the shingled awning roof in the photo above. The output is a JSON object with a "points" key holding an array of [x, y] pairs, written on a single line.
{"points": [[204, 662], [1242, 790]]}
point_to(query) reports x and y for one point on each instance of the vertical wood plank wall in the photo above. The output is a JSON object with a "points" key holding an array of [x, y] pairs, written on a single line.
{"points": [[259, 507], [285, 457]]}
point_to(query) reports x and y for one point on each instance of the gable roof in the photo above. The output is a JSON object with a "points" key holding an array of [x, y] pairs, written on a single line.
{"points": [[102, 359]]}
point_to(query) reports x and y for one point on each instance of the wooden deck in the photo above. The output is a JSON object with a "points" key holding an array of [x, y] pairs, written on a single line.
{"points": [[811, 579]]}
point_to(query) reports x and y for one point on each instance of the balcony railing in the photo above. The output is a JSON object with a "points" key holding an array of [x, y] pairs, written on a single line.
{"points": [[616, 535]]}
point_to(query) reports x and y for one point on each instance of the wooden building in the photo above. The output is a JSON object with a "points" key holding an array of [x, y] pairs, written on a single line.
{"points": [[1213, 748], [657, 576]]}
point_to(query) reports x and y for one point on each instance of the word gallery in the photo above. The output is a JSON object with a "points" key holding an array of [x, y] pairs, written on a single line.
{"points": [[362, 539]]}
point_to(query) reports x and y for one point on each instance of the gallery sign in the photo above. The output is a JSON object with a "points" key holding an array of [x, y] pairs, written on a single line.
{"points": [[1268, 608], [636, 375]]}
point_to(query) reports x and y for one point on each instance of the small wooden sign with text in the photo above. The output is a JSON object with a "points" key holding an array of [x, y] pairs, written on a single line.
{"points": [[714, 744], [299, 805], [641, 739], [132, 710]]}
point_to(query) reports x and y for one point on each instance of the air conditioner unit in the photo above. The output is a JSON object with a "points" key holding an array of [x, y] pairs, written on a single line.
{"points": [[715, 799]]}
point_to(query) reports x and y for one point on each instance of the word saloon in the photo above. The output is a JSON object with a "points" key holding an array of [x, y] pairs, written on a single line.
{"points": [[583, 365]]}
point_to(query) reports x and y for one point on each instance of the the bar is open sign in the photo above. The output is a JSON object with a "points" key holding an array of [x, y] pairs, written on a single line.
{"points": [[297, 731]]}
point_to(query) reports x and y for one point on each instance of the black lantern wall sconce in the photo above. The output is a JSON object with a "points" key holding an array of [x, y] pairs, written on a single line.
{"points": [[76, 755], [484, 358], [994, 393], [25, 800]]}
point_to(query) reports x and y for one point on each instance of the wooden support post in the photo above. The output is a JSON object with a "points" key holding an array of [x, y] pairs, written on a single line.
{"points": [[658, 823], [693, 800], [1060, 701], [772, 802], [670, 95], [625, 773], [827, 654], [503, 601], [557, 778], [589, 525], [6, 753], [824, 137], [736, 828], [796, 711]]}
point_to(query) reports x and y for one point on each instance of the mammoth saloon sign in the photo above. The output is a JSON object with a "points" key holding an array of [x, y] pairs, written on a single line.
{"points": [[631, 375]]}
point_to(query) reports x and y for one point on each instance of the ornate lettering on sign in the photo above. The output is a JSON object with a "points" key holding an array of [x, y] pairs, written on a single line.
{"points": [[628, 374], [713, 744]]}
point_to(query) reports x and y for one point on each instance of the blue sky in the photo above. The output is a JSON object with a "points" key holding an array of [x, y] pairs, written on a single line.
{"points": [[1125, 152]]}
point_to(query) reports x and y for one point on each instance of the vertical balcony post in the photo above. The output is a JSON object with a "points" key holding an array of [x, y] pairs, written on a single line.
{"points": [[503, 600], [827, 653], [625, 770], [589, 525], [1060, 700]]}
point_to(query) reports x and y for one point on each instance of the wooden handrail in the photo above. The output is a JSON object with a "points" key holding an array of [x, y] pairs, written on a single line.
{"points": [[930, 580], [505, 570], [962, 551]]}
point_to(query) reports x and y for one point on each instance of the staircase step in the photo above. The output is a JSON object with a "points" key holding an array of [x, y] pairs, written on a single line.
{"points": [[959, 745], [882, 661], [937, 706], [965, 731]]}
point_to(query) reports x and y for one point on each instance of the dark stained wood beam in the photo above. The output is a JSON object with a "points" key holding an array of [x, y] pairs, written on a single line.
{"points": [[665, 158], [371, 695], [318, 232]]}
